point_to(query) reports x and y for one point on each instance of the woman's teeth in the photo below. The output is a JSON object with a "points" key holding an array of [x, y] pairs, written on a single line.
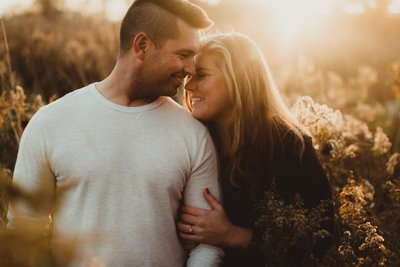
{"points": [[196, 100]]}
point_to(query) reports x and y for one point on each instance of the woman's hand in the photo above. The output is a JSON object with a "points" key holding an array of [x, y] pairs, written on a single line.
{"points": [[211, 226]]}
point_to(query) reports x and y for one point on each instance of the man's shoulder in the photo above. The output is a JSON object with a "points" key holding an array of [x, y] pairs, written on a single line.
{"points": [[67, 100], [71, 97], [63, 106], [181, 116]]}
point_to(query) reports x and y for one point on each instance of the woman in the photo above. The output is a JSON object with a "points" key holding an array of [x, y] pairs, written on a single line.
{"points": [[258, 142]]}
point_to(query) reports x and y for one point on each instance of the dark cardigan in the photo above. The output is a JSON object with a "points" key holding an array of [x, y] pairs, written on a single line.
{"points": [[304, 176]]}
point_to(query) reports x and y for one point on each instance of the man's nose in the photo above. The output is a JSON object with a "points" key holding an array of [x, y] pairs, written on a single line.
{"points": [[189, 67]]}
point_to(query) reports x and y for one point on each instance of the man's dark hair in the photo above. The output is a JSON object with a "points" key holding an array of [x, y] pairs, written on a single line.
{"points": [[158, 19]]}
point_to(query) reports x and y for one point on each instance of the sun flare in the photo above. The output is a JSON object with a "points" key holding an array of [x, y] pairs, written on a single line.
{"points": [[294, 17]]}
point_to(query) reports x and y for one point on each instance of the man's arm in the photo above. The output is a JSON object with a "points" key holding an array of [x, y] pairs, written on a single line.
{"points": [[204, 175], [33, 178]]}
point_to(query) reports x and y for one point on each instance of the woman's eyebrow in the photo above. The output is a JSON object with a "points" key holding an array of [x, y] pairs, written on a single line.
{"points": [[202, 69]]}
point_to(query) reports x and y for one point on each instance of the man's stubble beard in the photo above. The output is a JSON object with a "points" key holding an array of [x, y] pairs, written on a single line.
{"points": [[142, 87], [148, 87]]}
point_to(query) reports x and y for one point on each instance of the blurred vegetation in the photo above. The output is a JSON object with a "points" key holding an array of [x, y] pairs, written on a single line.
{"points": [[60, 51], [353, 67], [364, 176], [349, 61]]}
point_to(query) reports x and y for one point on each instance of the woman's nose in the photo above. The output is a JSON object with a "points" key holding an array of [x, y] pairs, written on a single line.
{"points": [[190, 85]]}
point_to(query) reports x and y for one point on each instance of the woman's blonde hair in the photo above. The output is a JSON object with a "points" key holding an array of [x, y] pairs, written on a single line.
{"points": [[260, 118]]}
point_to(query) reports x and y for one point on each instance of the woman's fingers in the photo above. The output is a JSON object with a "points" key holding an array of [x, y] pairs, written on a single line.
{"points": [[188, 233], [214, 203], [189, 219], [190, 237], [193, 210], [185, 228]]}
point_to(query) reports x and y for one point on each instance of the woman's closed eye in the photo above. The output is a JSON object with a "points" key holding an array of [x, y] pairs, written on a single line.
{"points": [[201, 74]]}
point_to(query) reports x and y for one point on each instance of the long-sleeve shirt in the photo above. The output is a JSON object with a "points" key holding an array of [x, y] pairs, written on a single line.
{"points": [[117, 175]]}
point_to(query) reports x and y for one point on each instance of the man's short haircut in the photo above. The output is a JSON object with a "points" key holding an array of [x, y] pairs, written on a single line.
{"points": [[158, 19]]}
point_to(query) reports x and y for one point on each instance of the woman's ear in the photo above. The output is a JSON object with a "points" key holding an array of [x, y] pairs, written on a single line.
{"points": [[141, 44]]}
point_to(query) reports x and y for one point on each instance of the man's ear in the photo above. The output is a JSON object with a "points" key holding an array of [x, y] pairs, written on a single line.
{"points": [[141, 44]]}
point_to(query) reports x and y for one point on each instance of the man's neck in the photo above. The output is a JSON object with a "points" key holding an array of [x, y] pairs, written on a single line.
{"points": [[118, 88]]}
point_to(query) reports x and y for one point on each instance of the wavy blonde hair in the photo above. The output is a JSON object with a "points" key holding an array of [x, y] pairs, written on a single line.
{"points": [[260, 119]]}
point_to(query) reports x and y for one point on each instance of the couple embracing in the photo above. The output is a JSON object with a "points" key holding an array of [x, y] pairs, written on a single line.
{"points": [[154, 184]]}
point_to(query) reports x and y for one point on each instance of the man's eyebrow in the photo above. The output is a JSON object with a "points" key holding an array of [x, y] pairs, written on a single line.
{"points": [[188, 52]]}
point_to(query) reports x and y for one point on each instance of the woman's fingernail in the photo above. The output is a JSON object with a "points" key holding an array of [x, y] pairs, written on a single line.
{"points": [[207, 191]]}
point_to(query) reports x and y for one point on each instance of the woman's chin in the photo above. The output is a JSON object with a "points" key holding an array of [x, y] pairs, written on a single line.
{"points": [[198, 115]]}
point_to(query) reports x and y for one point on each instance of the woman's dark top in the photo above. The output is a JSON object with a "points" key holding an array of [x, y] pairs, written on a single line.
{"points": [[304, 176]]}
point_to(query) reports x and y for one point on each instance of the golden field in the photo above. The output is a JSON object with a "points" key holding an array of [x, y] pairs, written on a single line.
{"points": [[345, 90]]}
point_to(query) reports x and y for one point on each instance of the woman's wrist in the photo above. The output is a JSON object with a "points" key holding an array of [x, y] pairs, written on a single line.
{"points": [[239, 237]]}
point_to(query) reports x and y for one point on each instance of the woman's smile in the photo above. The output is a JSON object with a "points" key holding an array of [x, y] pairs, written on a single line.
{"points": [[196, 100], [209, 96]]}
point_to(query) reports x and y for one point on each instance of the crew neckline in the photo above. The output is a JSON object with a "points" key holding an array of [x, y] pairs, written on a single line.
{"points": [[106, 102]]}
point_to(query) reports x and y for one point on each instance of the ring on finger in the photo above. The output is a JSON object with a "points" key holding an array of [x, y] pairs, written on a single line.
{"points": [[190, 228]]}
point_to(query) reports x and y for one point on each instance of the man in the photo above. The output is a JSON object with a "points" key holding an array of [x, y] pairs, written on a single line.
{"points": [[118, 157]]}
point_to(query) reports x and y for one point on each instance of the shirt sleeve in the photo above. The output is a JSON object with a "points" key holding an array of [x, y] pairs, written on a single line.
{"points": [[33, 178], [204, 175]]}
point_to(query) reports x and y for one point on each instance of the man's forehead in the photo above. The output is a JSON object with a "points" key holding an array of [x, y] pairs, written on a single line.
{"points": [[189, 42], [187, 33]]}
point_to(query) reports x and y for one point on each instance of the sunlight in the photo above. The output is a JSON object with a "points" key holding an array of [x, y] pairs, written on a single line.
{"points": [[88, 6], [308, 6], [116, 9], [292, 14], [394, 7], [354, 8], [14, 6], [212, 2], [294, 17]]}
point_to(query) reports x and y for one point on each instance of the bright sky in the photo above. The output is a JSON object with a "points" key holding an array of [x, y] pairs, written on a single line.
{"points": [[115, 9], [299, 11], [10, 4]]}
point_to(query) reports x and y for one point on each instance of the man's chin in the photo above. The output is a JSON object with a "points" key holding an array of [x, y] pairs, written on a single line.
{"points": [[172, 92]]}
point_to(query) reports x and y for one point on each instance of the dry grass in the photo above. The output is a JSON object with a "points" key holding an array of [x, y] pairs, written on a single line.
{"points": [[57, 56]]}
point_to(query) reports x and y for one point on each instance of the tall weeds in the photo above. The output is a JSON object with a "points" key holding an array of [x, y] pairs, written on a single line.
{"points": [[362, 166]]}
